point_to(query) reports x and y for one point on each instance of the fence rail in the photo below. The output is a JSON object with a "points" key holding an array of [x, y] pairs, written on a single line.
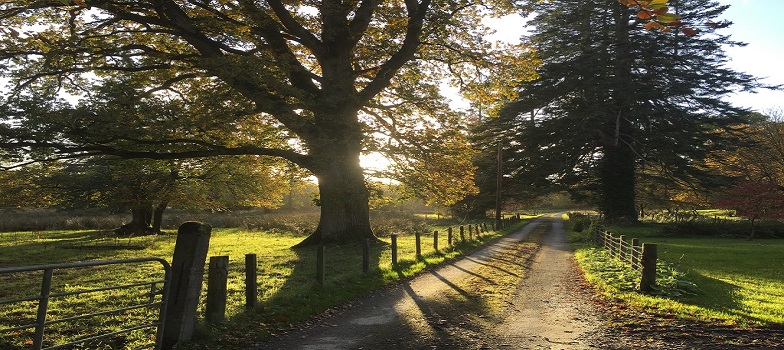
{"points": [[467, 232], [639, 257], [157, 298]]}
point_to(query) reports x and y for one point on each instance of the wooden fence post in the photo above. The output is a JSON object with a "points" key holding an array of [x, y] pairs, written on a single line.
{"points": [[251, 281], [476, 228], [217, 280], [621, 251], [366, 256], [418, 241], [462, 233], [435, 241], [190, 254], [648, 278], [634, 255], [320, 275], [394, 248], [470, 232], [449, 236]]}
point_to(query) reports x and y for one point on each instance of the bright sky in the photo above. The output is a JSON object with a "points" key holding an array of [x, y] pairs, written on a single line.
{"points": [[756, 22]]}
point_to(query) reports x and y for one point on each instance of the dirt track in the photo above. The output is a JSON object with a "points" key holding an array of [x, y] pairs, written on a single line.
{"points": [[509, 295]]}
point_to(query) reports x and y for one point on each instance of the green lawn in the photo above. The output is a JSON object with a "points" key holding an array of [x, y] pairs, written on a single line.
{"points": [[740, 282], [288, 291]]}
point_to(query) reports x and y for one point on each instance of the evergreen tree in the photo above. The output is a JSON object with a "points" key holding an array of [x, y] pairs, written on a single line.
{"points": [[613, 97]]}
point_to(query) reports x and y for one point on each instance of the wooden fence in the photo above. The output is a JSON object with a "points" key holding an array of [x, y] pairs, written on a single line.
{"points": [[639, 257], [217, 278]]}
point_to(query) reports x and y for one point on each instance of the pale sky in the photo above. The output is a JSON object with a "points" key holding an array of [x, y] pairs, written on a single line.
{"points": [[756, 22]]}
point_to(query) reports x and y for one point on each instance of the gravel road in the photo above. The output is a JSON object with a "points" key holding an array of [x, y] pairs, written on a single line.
{"points": [[512, 294]]}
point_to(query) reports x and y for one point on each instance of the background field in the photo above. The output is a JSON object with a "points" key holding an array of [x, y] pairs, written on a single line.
{"points": [[288, 291], [739, 281]]}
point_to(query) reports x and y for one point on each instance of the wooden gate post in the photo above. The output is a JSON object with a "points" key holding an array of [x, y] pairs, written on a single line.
{"points": [[462, 233], [418, 239], [648, 278], [251, 281], [190, 255], [435, 241], [217, 279], [394, 249], [449, 236]]}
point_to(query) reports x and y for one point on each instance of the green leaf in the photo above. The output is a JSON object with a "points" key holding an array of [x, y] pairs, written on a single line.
{"points": [[668, 18]]}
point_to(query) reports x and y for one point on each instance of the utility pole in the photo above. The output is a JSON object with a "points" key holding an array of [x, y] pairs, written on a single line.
{"points": [[498, 179]]}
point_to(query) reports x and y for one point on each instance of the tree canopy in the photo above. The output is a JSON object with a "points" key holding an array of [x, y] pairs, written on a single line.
{"points": [[314, 82], [617, 106]]}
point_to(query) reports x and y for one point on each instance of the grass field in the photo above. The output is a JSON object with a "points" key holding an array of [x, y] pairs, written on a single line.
{"points": [[288, 291], [740, 282]]}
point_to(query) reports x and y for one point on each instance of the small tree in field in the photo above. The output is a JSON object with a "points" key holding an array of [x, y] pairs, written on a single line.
{"points": [[754, 201]]}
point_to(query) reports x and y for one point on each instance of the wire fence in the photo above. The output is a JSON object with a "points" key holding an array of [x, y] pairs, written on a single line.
{"points": [[640, 257]]}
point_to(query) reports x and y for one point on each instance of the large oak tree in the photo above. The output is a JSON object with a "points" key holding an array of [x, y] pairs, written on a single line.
{"points": [[314, 82]]}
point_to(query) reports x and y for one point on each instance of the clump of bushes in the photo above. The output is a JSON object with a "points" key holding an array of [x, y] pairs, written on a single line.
{"points": [[583, 226], [724, 228]]}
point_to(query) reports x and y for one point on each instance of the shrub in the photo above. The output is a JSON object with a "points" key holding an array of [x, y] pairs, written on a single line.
{"points": [[723, 228]]}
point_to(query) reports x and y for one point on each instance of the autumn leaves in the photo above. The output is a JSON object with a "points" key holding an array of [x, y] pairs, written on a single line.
{"points": [[658, 15]]}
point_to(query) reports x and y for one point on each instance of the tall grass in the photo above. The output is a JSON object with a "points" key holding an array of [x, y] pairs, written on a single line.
{"points": [[738, 282], [288, 291]]}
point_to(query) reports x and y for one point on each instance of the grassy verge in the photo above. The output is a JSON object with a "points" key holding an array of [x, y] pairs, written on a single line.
{"points": [[288, 292], [738, 282]]}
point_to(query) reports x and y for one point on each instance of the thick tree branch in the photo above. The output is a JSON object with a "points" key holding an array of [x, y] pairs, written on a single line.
{"points": [[403, 55]]}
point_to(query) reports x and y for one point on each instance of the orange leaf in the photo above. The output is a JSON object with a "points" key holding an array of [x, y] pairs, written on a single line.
{"points": [[628, 3], [661, 10], [689, 31], [643, 14], [654, 25]]}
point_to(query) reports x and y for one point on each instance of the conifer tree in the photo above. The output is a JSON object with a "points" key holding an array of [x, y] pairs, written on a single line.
{"points": [[613, 97]]}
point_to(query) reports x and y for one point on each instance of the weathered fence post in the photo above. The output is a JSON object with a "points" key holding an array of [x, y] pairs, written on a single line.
{"points": [[462, 233], [492, 224], [217, 280], [251, 281], [394, 248], [190, 254], [418, 241], [449, 236], [648, 278], [366, 256], [621, 250], [320, 275], [476, 228], [633, 254], [470, 232], [435, 240]]}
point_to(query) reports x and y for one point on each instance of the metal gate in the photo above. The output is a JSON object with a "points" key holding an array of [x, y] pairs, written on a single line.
{"points": [[32, 334]]}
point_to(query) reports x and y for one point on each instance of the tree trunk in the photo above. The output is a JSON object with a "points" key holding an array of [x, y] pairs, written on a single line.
{"points": [[617, 169], [157, 216], [617, 192], [343, 195], [141, 217]]}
